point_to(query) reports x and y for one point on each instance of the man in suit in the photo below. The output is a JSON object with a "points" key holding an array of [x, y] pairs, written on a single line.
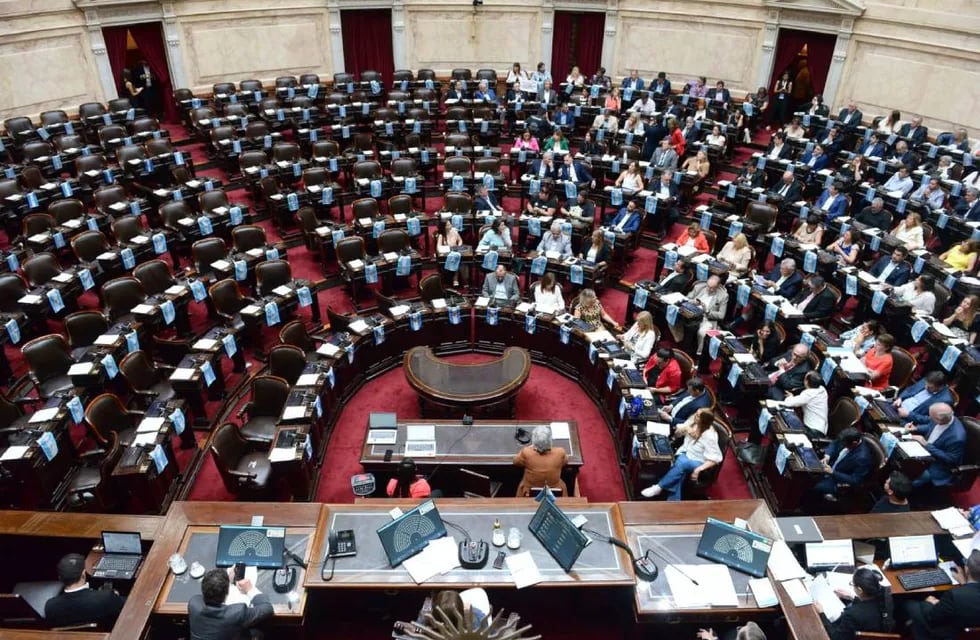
{"points": [[815, 159], [831, 141], [574, 171], [915, 400], [944, 437], [654, 134], [850, 117], [685, 403], [606, 121], [502, 286], [211, 619], [914, 131], [556, 241], [892, 269], [78, 603], [817, 302], [787, 189], [787, 371], [931, 193], [149, 97], [873, 147], [665, 190], [720, 95], [875, 215], [547, 96], [778, 149], [902, 155], [565, 119], [900, 181], [675, 108], [690, 130], [750, 176], [456, 92], [832, 201], [712, 298], [784, 279], [628, 219], [544, 167], [664, 157], [847, 460], [634, 81], [946, 617], [486, 200], [661, 85], [485, 94], [677, 280], [969, 206]]}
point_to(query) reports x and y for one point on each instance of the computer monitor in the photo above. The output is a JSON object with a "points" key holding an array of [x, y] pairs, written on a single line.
{"points": [[830, 555], [740, 549], [255, 546], [557, 533], [912, 551], [410, 532]]}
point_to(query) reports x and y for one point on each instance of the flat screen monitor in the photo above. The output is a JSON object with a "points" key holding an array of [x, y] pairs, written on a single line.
{"points": [[255, 546], [830, 555], [740, 549], [912, 551], [410, 532], [558, 534]]}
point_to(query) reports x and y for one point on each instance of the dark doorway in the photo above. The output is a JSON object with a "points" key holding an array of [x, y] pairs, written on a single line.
{"points": [[139, 50], [367, 41], [806, 56], [577, 40]]}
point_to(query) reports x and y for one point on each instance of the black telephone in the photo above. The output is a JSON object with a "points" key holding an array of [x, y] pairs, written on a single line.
{"points": [[341, 543]]}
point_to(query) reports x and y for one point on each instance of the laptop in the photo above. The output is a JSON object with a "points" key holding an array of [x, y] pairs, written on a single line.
{"points": [[420, 449], [737, 548], [912, 551], [799, 530], [830, 555], [410, 532], [123, 554], [888, 408]]}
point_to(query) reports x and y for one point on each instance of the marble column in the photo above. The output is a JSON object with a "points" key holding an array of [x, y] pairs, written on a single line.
{"points": [[836, 68], [336, 38], [547, 39], [398, 34], [609, 41], [175, 52], [106, 79]]}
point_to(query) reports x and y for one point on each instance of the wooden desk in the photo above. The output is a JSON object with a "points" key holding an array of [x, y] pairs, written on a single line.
{"points": [[600, 565]]}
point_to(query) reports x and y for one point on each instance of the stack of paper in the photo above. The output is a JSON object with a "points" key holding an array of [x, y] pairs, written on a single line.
{"points": [[701, 585], [823, 594], [783, 564], [523, 569], [438, 557], [798, 592], [953, 521], [913, 449], [763, 592], [560, 431]]}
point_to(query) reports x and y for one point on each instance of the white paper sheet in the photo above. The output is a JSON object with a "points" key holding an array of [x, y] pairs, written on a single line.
{"points": [[523, 569], [798, 592], [714, 585], [420, 432], [763, 592], [44, 415], [15, 452], [438, 557], [783, 564]]}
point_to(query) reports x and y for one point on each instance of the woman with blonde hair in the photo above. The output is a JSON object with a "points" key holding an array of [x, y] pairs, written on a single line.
{"points": [[630, 179], [640, 339], [965, 319], [590, 310], [698, 163], [634, 125], [910, 232], [736, 254], [613, 101], [598, 250]]}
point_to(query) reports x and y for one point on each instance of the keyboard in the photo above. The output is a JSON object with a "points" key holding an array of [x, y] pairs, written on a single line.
{"points": [[118, 563], [755, 371], [924, 579], [661, 444]]}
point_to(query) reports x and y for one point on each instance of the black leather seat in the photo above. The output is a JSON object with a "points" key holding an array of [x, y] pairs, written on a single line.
{"points": [[269, 395], [241, 470], [49, 360]]}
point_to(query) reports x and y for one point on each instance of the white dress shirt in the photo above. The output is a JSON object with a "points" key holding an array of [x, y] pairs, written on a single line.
{"points": [[638, 343], [548, 301], [704, 448], [814, 404]]}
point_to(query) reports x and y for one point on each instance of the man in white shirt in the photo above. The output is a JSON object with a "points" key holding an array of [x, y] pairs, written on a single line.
{"points": [[899, 182], [713, 300], [813, 400], [607, 121], [644, 106]]}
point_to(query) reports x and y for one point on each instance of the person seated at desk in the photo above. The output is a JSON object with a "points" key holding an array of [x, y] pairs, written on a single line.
{"points": [[564, 121], [968, 207], [698, 164], [946, 617], [634, 125], [684, 404], [765, 343], [602, 79], [557, 142], [815, 159], [788, 371], [846, 248], [484, 93], [869, 611], [544, 167], [879, 361], [874, 147], [210, 618], [892, 269], [502, 287], [644, 106], [542, 203], [630, 179], [832, 201], [778, 148], [817, 107], [716, 138], [486, 200], [720, 95], [606, 121], [700, 111], [571, 170], [449, 238], [813, 400], [526, 141], [902, 155], [555, 241], [831, 142], [407, 483], [591, 147], [914, 131], [497, 237], [628, 219], [542, 463], [456, 91], [664, 156], [787, 189], [846, 461], [875, 215], [931, 193], [963, 255], [640, 339], [810, 231], [736, 254], [784, 279], [516, 74], [747, 631], [547, 96], [77, 603], [965, 319], [582, 209], [547, 295], [915, 400], [712, 298], [698, 88], [900, 182], [750, 177], [857, 171], [614, 101], [663, 374], [661, 86], [862, 338], [634, 82], [944, 437], [897, 490], [692, 236], [818, 301], [919, 294], [598, 251], [575, 78], [689, 131], [794, 130], [589, 309], [698, 453], [677, 280]]}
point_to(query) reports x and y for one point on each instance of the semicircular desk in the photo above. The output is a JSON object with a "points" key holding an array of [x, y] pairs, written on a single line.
{"points": [[485, 388]]}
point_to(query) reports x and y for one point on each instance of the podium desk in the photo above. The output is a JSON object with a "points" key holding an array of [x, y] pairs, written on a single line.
{"points": [[600, 564]]}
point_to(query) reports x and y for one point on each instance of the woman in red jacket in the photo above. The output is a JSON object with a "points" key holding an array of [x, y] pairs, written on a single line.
{"points": [[663, 374], [879, 361], [676, 138], [694, 237]]}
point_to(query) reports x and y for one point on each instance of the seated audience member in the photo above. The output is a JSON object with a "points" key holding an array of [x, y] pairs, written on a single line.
{"points": [[787, 189], [575, 78], [484, 93], [542, 203], [407, 483], [832, 201], [850, 116], [831, 143], [815, 159], [716, 138], [784, 279], [875, 215], [664, 156], [858, 170], [542, 463], [701, 111], [502, 287], [516, 74], [496, 237], [712, 297], [965, 319], [747, 631], [486, 200], [698, 164], [892, 124], [689, 131], [897, 490], [810, 231], [663, 374], [571, 170], [846, 461], [847, 248], [448, 237], [591, 147], [873, 148], [945, 617], [661, 86], [698, 87], [634, 125], [900, 182], [600, 78], [942, 170], [818, 301], [869, 611], [862, 338], [693, 237], [813, 400], [914, 131], [683, 405], [931, 193], [963, 256], [944, 437], [788, 371], [736, 254], [640, 339], [526, 141], [210, 618], [919, 294], [676, 280], [903, 155], [969, 205], [817, 107], [589, 309], [556, 142], [581, 209], [765, 343], [915, 400], [544, 168], [795, 129], [778, 148], [879, 361], [564, 121], [750, 177], [598, 250], [77, 603], [556, 241], [892, 269], [456, 91], [698, 453], [644, 106], [547, 295], [614, 101], [630, 179], [628, 219]]}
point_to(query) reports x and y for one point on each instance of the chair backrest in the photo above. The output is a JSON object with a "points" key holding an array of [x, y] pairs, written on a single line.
{"points": [[403, 75], [288, 151], [12, 289], [121, 295], [88, 245], [971, 450], [67, 209], [845, 413], [250, 85], [119, 104], [171, 212], [309, 78], [903, 365], [285, 81], [207, 251], [431, 287], [475, 485], [287, 362], [269, 395], [325, 148], [47, 356], [159, 147], [315, 176], [37, 223], [401, 203], [393, 240], [762, 213], [92, 162], [155, 276], [365, 208], [139, 370], [248, 236], [31, 177], [126, 228], [105, 414], [226, 297], [404, 167], [83, 327], [130, 152], [254, 158], [294, 333], [211, 200], [89, 109], [270, 274], [350, 249], [459, 164], [686, 363], [459, 202], [144, 125], [227, 448], [109, 195], [18, 125], [40, 268], [367, 169], [338, 321]]}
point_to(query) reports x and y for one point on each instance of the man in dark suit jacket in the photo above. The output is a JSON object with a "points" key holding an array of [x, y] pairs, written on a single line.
{"points": [[211, 619], [750, 177], [851, 468], [959, 608], [565, 119], [944, 437], [547, 96], [915, 400], [544, 167], [914, 131], [683, 405], [788, 371], [875, 215], [784, 149], [969, 206], [634, 81], [720, 94], [903, 156], [78, 603], [815, 159], [677, 280], [456, 92], [893, 269], [818, 301], [873, 147], [785, 279], [653, 135], [661, 86], [149, 97], [850, 117], [787, 189], [574, 171]]}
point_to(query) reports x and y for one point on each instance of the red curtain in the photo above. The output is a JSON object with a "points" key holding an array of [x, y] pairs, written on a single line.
{"points": [[115, 47], [367, 42], [588, 48], [820, 49], [561, 46], [149, 39]]}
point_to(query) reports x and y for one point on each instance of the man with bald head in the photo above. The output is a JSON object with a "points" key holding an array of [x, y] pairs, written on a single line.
{"points": [[712, 298], [787, 371], [945, 439], [850, 117], [788, 189]]}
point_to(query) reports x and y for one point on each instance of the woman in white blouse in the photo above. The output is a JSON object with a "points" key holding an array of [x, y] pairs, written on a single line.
{"points": [[630, 179], [575, 78], [699, 452], [716, 138], [547, 295], [516, 74], [736, 254], [701, 113], [795, 129], [892, 124], [698, 163], [910, 232], [634, 125], [919, 294], [641, 338]]}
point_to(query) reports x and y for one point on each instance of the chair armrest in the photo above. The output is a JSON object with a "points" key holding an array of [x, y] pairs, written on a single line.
{"points": [[243, 475], [966, 468], [77, 627], [94, 454], [246, 408], [137, 413], [27, 400], [145, 394], [164, 367]]}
